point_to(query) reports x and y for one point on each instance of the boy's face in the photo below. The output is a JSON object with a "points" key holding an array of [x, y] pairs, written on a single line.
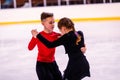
{"points": [[48, 24]]}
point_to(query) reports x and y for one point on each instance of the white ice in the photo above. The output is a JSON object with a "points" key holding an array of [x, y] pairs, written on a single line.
{"points": [[102, 41]]}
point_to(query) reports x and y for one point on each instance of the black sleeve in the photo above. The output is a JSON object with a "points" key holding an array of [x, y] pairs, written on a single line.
{"points": [[82, 38], [49, 44]]}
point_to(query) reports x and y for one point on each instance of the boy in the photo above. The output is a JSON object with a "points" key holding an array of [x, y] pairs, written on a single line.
{"points": [[46, 66]]}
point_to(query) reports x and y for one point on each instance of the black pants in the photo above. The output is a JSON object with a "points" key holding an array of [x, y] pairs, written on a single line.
{"points": [[48, 71]]}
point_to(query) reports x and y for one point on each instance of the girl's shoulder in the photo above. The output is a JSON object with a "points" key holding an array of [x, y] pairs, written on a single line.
{"points": [[80, 32]]}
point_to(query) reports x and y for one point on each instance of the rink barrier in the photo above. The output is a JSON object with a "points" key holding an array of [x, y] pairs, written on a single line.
{"points": [[73, 19], [80, 13]]}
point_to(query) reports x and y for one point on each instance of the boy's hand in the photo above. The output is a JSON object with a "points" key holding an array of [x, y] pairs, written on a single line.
{"points": [[34, 32], [83, 49]]}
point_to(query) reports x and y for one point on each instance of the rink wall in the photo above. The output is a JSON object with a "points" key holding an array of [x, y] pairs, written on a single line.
{"points": [[92, 12]]}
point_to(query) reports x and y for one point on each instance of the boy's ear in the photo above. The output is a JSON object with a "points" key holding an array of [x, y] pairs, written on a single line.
{"points": [[42, 23]]}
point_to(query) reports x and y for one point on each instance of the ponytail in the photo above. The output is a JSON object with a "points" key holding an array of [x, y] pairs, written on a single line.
{"points": [[78, 38], [66, 22]]}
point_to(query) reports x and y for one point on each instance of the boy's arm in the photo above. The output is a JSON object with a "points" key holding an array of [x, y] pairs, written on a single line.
{"points": [[32, 43], [83, 49]]}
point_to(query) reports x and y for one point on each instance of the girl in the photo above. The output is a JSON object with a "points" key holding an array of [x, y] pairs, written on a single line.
{"points": [[78, 66]]}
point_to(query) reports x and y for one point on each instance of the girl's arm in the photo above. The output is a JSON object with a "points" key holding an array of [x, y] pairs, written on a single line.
{"points": [[83, 47], [45, 41], [49, 44], [82, 38]]}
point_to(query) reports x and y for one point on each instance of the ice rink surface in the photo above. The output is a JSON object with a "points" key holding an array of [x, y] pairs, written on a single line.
{"points": [[103, 50]]}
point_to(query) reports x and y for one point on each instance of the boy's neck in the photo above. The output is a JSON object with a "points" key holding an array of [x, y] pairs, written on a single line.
{"points": [[46, 31]]}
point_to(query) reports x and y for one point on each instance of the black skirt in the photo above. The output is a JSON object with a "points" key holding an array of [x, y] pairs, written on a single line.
{"points": [[77, 68]]}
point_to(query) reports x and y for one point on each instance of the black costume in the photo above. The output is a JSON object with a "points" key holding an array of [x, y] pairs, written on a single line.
{"points": [[78, 66]]}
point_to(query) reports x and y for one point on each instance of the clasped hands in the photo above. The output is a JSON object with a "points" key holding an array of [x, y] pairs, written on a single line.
{"points": [[34, 33]]}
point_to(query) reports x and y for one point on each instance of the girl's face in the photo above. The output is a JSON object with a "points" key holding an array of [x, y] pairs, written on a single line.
{"points": [[63, 30], [48, 24]]}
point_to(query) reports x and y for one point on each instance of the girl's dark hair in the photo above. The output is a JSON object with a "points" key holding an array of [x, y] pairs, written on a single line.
{"points": [[45, 15], [66, 22]]}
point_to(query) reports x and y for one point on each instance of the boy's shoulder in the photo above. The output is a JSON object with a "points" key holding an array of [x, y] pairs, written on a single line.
{"points": [[56, 33], [51, 34]]}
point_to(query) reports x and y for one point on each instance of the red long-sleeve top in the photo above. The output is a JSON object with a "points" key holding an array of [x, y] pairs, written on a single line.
{"points": [[44, 54]]}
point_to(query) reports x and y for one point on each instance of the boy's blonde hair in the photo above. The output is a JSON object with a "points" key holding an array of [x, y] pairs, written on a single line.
{"points": [[45, 15]]}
